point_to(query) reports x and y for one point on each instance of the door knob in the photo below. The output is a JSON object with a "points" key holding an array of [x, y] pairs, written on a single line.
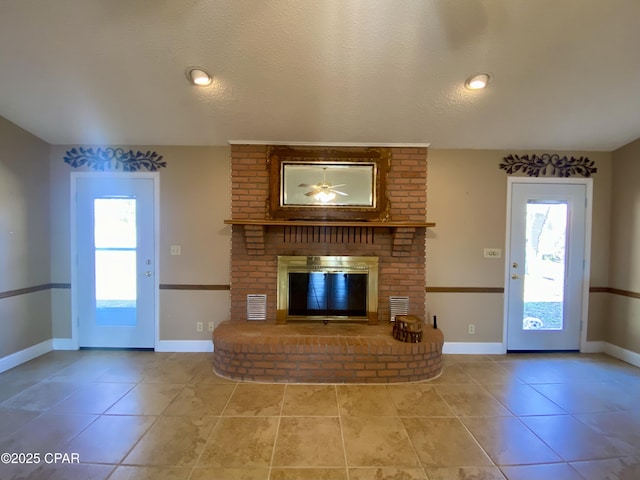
{"points": [[147, 274], [515, 277], [515, 265]]}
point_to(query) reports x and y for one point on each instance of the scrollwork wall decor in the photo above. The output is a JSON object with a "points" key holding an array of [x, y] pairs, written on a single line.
{"points": [[536, 165], [109, 158]]}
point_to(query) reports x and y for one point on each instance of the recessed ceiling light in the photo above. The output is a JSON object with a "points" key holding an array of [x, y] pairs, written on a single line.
{"points": [[199, 76], [478, 81]]}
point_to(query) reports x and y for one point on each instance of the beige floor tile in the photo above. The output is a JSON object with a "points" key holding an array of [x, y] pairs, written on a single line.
{"points": [[92, 398], [208, 375], [574, 441], [387, 473], [452, 373], [12, 419], [86, 370], [471, 401], [627, 468], [211, 473], [622, 425], [70, 471], [523, 400], [263, 432], [10, 386], [169, 372], [309, 474], [110, 438], [42, 367], [466, 473], [418, 400], [122, 373], [309, 442], [42, 396], [240, 442], [46, 433], [146, 399], [554, 471], [255, 399], [377, 442], [201, 399], [489, 372], [508, 441], [535, 370], [365, 400], [150, 473], [444, 442], [592, 397], [306, 400], [21, 471], [172, 441]]}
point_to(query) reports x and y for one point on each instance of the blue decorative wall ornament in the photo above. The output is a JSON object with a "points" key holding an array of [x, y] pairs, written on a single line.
{"points": [[535, 165], [109, 158]]}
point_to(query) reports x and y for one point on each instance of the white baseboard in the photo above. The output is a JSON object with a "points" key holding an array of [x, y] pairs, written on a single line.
{"points": [[184, 346], [25, 355], [477, 348], [594, 347], [622, 354], [64, 344]]}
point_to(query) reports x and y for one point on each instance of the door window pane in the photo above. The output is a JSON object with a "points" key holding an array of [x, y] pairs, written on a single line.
{"points": [[544, 266], [115, 261]]}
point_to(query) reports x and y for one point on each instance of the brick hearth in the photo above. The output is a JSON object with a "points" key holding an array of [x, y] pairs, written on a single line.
{"points": [[334, 353]]}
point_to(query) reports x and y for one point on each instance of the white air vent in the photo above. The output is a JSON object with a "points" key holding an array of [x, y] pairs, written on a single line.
{"points": [[398, 306], [257, 307]]}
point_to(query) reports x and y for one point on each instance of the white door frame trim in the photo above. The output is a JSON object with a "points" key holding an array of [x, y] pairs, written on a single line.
{"points": [[588, 183], [155, 178]]}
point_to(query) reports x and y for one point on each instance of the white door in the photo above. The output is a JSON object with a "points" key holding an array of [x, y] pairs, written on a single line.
{"points": [[545, 274], [115, 252]]}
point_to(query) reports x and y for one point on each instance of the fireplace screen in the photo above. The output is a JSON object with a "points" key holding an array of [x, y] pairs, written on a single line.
{"points": [[327, 288], [328, 294]]}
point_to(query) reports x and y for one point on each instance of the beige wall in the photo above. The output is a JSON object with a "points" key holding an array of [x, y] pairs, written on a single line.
{"points": [[623, 323], [467, 198], [194, 202], [25, 320]]}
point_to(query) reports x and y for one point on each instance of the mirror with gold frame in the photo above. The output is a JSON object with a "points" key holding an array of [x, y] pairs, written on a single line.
{"points": [[328, 184]]}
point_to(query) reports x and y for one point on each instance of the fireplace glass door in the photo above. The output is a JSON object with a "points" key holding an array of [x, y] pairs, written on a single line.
{"points": [[328, 294]]}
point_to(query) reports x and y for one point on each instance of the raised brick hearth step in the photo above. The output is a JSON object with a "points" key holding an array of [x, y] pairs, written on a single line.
{"points": [[317, 353]]}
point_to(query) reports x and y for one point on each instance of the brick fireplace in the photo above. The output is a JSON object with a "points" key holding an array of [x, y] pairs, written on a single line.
{"points": [[295, 346], [255, 248]]}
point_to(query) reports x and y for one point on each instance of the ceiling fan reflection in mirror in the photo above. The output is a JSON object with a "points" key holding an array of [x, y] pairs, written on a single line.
{"points": [[323, 192]]}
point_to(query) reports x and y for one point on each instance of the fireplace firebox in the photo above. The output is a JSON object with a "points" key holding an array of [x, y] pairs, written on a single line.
{"points": [[327, 288]]}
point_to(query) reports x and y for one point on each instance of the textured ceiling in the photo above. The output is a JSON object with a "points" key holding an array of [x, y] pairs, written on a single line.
{"points": [[566, 73]]}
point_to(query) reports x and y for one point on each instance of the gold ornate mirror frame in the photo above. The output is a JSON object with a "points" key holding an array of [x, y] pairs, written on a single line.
{"points": [[322, 184]]}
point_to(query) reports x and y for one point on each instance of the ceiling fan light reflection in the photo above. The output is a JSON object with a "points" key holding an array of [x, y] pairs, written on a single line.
{"points": [[324, 197]]}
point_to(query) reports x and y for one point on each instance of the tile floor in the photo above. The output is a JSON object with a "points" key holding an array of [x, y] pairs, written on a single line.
{"points": [[144, 415]]}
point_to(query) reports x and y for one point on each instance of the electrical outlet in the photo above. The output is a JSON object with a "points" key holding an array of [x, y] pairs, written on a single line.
{"points": [[176, 250], [199, 327], [472, 329], [492, 253], [211, 326]]}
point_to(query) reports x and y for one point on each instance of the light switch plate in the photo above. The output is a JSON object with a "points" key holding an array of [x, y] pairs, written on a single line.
{"points": [[492, 253], [176, 250]]}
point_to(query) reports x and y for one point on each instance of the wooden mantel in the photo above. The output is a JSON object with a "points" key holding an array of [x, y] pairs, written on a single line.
{"points": [[403, 232]]}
